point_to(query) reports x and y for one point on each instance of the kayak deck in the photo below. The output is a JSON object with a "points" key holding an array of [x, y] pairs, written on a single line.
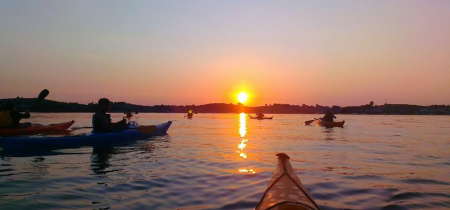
{"points": [[35, 129], [329, 124], [285, 190]]}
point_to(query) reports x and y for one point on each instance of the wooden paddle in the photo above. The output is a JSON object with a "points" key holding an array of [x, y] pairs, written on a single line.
{"points": [[44, 93], [148, 129]]}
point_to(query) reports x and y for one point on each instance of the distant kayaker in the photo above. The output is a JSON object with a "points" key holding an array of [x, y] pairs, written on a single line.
{"points": [[101, 122], [9, 117], [329, 116], [190, 114], [129, 114], [260, 115]]}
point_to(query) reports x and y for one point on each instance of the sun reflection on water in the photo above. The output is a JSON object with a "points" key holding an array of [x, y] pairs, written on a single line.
{"points": [[243, 144], [242, 125], [247, 171]]}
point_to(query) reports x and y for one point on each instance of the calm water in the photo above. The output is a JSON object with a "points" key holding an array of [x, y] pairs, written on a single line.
{"points": [[225, 161]]}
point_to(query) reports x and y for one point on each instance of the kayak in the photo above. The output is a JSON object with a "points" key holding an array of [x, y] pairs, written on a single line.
{"points": [[35, 129], [257, 118], [285, 190], [89, 139], [329, 124]]}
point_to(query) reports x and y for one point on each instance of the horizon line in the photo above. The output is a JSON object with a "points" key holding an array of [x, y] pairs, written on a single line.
{"points": [[234, 103]]}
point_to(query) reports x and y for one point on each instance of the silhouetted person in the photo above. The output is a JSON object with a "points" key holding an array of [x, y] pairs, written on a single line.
{"points": [[129, 114], [190, 114], [101, 122], [329, 116], [260, 115], [9, 117]]}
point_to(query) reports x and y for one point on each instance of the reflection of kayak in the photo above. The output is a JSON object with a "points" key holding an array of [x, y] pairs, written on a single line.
{"points": [[82, 139], [329, 124], [257, 118], [35, 129], [285, 191]]}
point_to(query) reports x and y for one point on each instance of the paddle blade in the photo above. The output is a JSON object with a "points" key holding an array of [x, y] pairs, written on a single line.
{"points": [[308, 122], [44, 93], [148, 129]]}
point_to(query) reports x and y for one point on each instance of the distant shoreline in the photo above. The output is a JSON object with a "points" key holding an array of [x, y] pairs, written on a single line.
{"points": [[49, 106]]}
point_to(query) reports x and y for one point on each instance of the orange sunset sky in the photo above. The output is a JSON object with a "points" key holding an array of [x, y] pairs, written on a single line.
{"points": [[196, 52]]}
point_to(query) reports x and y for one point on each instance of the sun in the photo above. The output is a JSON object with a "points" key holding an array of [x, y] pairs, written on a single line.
{"points": [[242, 97]]}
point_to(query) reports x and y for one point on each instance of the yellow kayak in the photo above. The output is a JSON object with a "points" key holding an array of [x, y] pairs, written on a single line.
{"points": [[285, 191]]}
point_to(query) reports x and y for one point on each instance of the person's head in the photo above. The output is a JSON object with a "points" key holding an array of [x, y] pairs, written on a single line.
{"points": [[104, 104], [329, 111]]}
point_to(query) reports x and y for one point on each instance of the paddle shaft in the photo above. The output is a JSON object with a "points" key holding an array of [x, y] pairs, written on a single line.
{"points": [[309, 122], [78, 128], [143, 129]]}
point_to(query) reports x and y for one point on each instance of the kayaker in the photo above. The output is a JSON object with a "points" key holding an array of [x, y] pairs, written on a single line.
{"points": [[329, 116], [9, 117], [190, 114], [101, 122], [260, 115], [129, 114]]}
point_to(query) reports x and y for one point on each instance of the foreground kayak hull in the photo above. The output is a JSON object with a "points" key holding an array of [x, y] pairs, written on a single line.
{"points": [[285, 191], [329, 124], [257, 118], [36, 129], [89, 139]]}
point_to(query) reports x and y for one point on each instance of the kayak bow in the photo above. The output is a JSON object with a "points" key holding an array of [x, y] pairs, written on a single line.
{"points": [[285, 191]]}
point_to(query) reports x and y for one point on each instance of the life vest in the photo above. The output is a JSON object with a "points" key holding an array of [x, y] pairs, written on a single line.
{"points": [[5, 118]]}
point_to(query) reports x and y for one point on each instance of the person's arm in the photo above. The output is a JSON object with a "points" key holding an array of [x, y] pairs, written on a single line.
{"points": [[334, 116], [15, 115], [120, 124]]}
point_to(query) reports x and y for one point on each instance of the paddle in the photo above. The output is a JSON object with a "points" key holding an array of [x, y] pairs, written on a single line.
{"points": [[309, 121], [44, 93], [148, 129]]}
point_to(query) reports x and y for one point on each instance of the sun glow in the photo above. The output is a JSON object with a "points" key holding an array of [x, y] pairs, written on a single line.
{"points": [[242, 97]]}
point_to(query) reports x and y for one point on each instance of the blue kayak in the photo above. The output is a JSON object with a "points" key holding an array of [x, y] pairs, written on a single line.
{"points": [[89, 139]]}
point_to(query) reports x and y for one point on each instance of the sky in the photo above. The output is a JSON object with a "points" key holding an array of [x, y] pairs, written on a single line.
{"points": [[196, 52]]}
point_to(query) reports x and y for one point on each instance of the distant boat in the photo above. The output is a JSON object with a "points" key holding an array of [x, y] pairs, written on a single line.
{"points": [[257, 118]]}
